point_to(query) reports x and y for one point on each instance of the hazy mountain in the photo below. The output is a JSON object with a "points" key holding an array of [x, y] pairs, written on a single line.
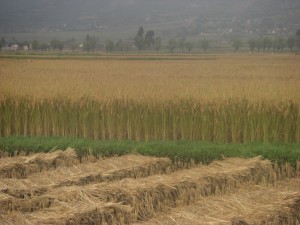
{"points": [[165, 15]]}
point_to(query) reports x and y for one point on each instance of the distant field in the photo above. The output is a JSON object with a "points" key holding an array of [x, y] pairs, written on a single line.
{"points": [[205, 78], [227, 98]]}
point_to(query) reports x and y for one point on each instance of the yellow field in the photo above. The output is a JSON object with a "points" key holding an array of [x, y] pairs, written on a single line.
{"points": [[223, 99], [253, 77], [229, 98]]}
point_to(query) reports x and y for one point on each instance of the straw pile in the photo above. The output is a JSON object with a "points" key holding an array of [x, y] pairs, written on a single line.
{"points": [[115, 168], [157, 193], [21, 192], [84, 214], [257, 205], [146, 196], [21, 167]]}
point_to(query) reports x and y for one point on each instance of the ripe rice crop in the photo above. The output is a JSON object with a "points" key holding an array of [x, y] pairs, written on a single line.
{"points": [[226, 99], [230, 121]]}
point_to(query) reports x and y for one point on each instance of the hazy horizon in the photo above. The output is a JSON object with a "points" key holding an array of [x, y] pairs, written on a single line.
{"points": [[115, 19]]}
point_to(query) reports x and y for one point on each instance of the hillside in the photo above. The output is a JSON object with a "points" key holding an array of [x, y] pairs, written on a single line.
{"points": [[170, 17]]}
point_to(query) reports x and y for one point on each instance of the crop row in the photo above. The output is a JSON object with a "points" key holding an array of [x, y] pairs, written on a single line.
{"points": [[120, 119]]}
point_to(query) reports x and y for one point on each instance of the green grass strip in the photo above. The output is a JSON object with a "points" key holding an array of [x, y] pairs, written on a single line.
{"points": [[201, 152]]}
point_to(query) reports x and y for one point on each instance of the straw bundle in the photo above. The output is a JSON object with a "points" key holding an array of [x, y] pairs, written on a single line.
{"points": [[79, 207], [22, 188], [21, 167], [103, 170], [255, 206], [129, 200], [110, 169], [180, 189], [156, 193], [12, 220], [88, 212]]}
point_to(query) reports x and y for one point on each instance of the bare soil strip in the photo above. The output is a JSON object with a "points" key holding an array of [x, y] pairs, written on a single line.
{"points": [[146, 196], [259, 205]]}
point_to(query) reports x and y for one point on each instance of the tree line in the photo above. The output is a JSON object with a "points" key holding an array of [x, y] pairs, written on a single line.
{"points": [[277, 44], [149, 41], [146, 40]]}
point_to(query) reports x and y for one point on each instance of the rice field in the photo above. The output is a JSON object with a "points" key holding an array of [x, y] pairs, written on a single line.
{"points": [[157, 106], [216, 98], [255, 78]]}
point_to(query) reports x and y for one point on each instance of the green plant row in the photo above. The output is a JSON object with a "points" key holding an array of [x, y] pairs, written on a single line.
{"points": [[121, 119], [200, 152]]}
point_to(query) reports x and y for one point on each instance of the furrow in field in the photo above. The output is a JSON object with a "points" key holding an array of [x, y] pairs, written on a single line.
{"points": [[153, 194], [255, 206]]}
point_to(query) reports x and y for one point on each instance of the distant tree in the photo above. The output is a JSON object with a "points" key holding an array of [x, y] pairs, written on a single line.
{"points": [[73, 46], [35, 45], [126, 46], [263, 44], [157, 44], [149, 38], [236, 44], [139, 40], [182, 43], [270, 44], [44, 46], [274, 44], [90, 43], [60, 45], [298, 39], [282, 43], [252, 44], [120, 45], [267, 43], [172, 44], [2, 43], [109, 45], [140, 32], [189, 46], [204, 44], [291, 43], [259, 44], [54, 44], [279, 44]]}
